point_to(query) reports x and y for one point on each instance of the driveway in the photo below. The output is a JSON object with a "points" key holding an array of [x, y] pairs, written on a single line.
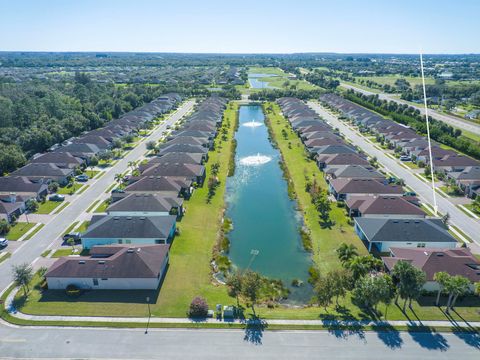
{"points": [[57, 224], [469, 226]]}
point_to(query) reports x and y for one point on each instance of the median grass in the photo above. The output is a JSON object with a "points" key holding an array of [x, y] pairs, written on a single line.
{"points": [[33, 232], [325, 240], [92, 206], [102, 207], [18, 230]]}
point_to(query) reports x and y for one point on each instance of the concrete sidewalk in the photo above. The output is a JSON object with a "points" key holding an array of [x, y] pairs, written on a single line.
{"points": [[161, 320]]}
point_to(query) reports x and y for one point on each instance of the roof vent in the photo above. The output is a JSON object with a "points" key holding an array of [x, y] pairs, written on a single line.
{"points": [[81, 262]]}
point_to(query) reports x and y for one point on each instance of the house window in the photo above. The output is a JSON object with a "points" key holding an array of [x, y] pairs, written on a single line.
{"points": [[95, 282], [104, 279], [421, 245], [158, 241], [128, 241], [120, 241]]}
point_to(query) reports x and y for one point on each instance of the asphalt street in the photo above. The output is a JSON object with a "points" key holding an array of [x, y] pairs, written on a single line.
{"points": [[32, 249], [468, 225], [451, 120], [81, 343]]}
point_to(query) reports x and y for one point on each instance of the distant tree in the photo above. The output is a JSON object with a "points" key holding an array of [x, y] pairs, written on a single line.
{"points": [[22, 276], [215, 168]]}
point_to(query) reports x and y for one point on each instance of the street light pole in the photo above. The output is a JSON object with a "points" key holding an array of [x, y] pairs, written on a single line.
{"points": [[149, 313]]}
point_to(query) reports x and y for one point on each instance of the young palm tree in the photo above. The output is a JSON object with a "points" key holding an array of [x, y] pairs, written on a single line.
{"points": [[457, 286], [346, 252], [22, 275], [441, 278]]}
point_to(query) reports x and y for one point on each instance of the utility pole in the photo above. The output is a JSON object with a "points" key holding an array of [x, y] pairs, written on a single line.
{"points": [[432, 174]]}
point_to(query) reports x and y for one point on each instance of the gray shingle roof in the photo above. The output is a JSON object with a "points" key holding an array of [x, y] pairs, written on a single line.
{"points": [[404, 230]]}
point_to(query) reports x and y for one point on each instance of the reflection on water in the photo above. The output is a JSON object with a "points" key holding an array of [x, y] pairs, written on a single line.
{"points": [[264, 218]]}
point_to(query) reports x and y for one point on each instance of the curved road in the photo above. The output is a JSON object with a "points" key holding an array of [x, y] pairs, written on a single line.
{"points": [[448, 119], [33, 248]]}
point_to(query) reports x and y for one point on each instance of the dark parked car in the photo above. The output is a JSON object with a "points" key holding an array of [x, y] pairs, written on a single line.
{"points": [[118, 190], [75, 236], [56, 197], [82, 178]]}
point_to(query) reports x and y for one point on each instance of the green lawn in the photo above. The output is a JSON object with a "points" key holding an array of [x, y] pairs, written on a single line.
{"points": [[18, 230], [102, 207], [325, 240], [60, 208], [266, 70], [69, 190], [92, 206], [65, 251], [4, 256], [92, 173], [390, 79], [70, 228], [47, 207], [83, 226]]}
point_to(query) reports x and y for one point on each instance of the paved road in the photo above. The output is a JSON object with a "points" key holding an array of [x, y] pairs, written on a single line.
{"points": [[469, 226], [449, 119], [32, 248], [67, 343]]}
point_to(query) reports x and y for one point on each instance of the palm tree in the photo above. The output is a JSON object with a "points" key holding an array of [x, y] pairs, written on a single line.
{"points": [[119, 178], [457, 286], [441, 278], [358, 267], [131, 164], [346, 252], [410, 281]]}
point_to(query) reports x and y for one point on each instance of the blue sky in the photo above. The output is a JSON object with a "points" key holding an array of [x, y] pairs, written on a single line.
{"points": [[245, 26]]}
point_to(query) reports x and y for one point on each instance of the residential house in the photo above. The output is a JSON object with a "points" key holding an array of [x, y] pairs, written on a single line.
{"points": [[112, 267], [45, 173], [385, 233], [342, 189], [136, 230], [146, 205], [459, 261], [383, 206]]}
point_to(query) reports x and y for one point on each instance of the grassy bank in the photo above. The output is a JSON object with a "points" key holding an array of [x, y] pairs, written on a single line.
{"points": [[324, 240]]}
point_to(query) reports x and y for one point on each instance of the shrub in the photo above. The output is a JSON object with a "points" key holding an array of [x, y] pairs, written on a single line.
{"points": [[198, 307], [73, 291]]}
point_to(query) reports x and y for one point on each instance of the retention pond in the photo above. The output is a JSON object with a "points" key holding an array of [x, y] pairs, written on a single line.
{"points": [[265, 235]]}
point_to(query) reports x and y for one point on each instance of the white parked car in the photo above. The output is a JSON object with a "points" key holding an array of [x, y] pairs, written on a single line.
{"points": [[3, 242]]}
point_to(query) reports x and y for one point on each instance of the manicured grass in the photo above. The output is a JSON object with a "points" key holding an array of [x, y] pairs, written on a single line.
{"points": [[4, 256], [266, 70], [92, 173], [102, 207], [110, 188], [46, 252], [70, 190], [60, 208], [325, 240], [448, 191], [33, 232], [71, 227], [64, 252], [472, 208], [85, 187], [18, 230], [83, 226], [390, 79], [92, 206], [47, 207]]}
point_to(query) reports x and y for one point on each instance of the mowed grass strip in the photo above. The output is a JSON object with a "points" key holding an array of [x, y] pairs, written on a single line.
{"points": [[325, 240], [33, 232], [47, 207]]}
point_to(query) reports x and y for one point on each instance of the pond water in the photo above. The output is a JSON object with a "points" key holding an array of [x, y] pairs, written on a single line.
{"points": [[264, 218], [255, 83]]}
